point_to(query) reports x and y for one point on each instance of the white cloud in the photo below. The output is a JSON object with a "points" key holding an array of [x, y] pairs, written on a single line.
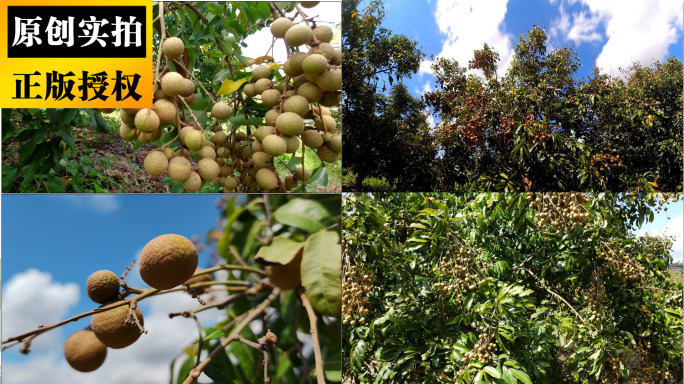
{"points": [[30, 299], [639, 31], [468, 25], [431, 121], [426, 67], [145, 362], [101, 203], [675, 229], [326, 13]]}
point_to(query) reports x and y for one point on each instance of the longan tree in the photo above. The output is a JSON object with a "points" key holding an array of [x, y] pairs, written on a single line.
{"points": [[540, 128], [508, 288], [388, 135], [282, 255]]}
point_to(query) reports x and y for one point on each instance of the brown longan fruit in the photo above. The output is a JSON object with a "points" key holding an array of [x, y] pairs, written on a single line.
{"points": [[286, 276], [179, 168], [173, 47], [280, 27], [298, 35], [193, 183], [111, 329], [261, 72], [165, 110], [172, 84], [156, 163], [323, 33], [208, 168], [102, 286], [167, 261], [312, 138], [84, 351], [290, 124], [146, 120], [221, 110], [327, 155], [274, 145]]}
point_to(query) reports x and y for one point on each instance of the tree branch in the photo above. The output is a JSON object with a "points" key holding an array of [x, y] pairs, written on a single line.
{"points": [[319, 372], [251, 315]]}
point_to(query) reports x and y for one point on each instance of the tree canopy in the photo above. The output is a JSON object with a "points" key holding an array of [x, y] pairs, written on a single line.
{"points": [[540, 128], [508, 288], [386, 134]]}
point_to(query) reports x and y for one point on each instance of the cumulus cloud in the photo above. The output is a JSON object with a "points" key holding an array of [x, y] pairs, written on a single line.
{"points": [[145, 362], [98, 203], [641, 32], [674, 229], [325, 13], [468, 25], [30, 299]]}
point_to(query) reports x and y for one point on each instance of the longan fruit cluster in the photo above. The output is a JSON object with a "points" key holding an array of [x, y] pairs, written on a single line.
{"points": [[561, 210], [620, 262], [245, 161], [457, 271], [606, 161], [596, 296], [644, 370], [355, 287], [483, 351]]}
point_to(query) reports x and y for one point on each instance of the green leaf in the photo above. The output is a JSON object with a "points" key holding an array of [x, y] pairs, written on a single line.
{"points": [[281, 251], [520, 375], [493, 372], [307, 215], [358, 355], [321, 265], [217, 334], [319, 176]]}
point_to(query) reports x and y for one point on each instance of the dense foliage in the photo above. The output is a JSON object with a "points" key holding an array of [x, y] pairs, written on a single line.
{"points": [[508, 288], [539, 128], [386, 135]]}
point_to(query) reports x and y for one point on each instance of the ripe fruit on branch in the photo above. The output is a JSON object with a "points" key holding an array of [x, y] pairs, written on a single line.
{"points": [[280, 26], [298, 35], [286, 276], [173, 47], [167, 261], [84, 351], [102, 286], [113, 330], [221, 110], [156, 163]]}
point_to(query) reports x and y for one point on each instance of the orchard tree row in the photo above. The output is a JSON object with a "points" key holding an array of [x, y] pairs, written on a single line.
{"points": [[538, 127]]}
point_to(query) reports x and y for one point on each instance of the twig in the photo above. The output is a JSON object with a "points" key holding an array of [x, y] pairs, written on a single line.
{"points": [[133, 317], [239, 259], [117, 304], [161, 42], [200, 340], [319, 372], [251, 315], [559, 297]]}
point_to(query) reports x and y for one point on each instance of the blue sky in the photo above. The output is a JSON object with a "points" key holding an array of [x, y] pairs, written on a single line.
{"points": [[614, 33], [52, 243]]}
